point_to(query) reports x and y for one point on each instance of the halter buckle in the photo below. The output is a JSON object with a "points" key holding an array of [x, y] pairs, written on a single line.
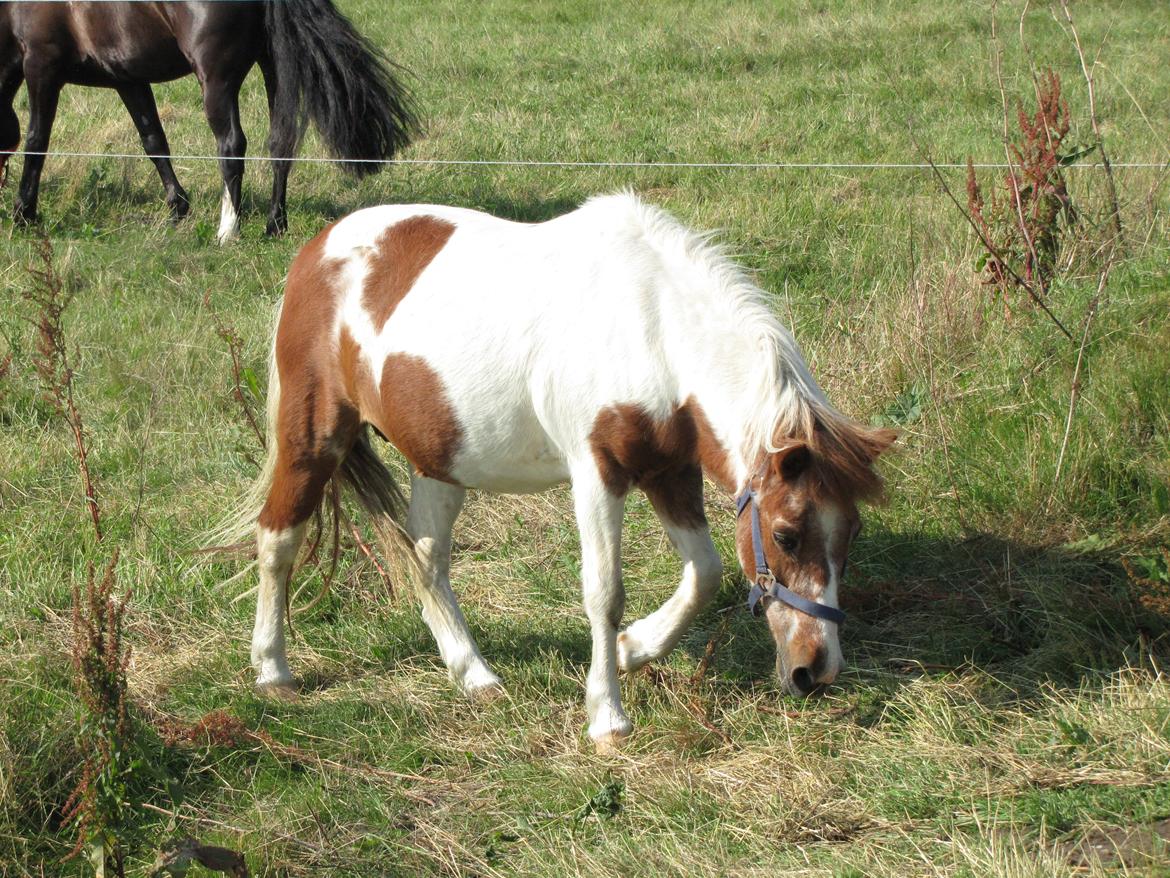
{"points": [[761, 588]]}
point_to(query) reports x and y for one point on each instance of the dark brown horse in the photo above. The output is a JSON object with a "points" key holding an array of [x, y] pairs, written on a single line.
{"points": [[316, 67]]}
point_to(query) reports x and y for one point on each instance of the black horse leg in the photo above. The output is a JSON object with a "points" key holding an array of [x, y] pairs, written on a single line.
{"points": [[44, 88], [139, 100], [222, 107], [11, 77], [282, 144]]}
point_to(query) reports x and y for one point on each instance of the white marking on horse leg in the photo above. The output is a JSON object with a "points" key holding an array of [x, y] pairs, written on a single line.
{"points": [[655, 635], [599, 520], [275, 553], [229, 219], [434, 507]]}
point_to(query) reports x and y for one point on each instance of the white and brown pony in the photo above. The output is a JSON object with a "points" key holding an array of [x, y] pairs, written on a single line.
{"points": [[611, 348]]}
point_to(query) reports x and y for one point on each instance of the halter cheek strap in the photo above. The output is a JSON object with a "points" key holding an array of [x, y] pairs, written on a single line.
{"points": [[765, 584]]}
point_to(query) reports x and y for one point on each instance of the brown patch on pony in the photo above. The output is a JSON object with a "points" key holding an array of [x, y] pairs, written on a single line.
{"points": [[665, 459], [317, 421], [357, 378], [418, 417], [401, 253], [312, 295]]}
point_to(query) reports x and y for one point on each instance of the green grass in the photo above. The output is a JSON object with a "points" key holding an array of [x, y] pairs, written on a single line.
{"points": [[1003, 698]]}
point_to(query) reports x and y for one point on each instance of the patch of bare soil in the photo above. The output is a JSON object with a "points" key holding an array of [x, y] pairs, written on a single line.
{"points": [[1133, 846]]}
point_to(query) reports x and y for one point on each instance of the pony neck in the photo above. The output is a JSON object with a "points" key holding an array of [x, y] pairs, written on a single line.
{"points": [[747, 405]]}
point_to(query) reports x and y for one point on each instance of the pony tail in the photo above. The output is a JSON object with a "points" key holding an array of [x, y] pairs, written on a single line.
{"points": [[330, 74], [374, 486]]}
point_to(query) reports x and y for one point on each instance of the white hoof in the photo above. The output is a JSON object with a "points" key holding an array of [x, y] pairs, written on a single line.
{"points": [[480, 684], [631, 654], [609, 729], [277, 691]]}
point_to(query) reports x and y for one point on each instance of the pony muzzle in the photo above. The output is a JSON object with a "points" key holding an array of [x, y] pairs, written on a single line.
{"points": [[808, 657]]}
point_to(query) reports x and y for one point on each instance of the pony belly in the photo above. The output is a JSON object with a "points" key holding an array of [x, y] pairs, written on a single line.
{"points": [[509, 467]]}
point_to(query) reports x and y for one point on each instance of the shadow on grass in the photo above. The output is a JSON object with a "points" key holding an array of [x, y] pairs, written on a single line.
{"points": [[1032, 617]]}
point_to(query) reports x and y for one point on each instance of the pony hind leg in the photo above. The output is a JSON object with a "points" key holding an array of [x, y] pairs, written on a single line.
{"points": [[306, 459], [678, 502], [276, 552], [139, 101], [434, 506], [599, 521]]}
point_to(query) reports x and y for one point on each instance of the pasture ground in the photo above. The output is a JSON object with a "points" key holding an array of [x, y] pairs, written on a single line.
{"points": [[1004, 707]]}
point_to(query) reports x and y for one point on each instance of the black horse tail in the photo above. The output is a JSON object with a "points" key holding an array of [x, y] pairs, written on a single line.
{"points": [[330, 74]]}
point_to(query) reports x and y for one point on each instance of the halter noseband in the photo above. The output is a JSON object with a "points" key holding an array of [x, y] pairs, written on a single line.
{"points": [[765, 584]]}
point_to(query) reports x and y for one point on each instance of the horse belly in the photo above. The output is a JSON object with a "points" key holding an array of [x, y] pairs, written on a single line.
{"points": [[120, 45]]}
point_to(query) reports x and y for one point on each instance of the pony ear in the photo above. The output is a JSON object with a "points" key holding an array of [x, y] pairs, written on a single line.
{"points": [[791, 461], [879, 441]]}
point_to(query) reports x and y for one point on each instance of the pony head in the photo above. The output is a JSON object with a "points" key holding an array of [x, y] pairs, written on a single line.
{"points": [[806, 493]]}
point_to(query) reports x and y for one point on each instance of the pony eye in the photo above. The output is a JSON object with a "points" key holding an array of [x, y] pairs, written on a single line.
{"points": [[786, 539]]}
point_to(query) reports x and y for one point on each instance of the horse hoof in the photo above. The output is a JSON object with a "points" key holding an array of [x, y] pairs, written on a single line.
{"points": [[278, 691]]}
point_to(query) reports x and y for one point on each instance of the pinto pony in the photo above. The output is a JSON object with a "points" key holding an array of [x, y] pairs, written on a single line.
{"points": [[315, 65], [611, 348]]}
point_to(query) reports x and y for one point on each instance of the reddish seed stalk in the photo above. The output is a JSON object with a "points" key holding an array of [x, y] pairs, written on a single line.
{"points": [[232, 338], [49, 296]]}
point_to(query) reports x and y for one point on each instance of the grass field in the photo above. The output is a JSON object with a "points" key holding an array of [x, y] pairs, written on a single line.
{"points": [[1004, 704]]}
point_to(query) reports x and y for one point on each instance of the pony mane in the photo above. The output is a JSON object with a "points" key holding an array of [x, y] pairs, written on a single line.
{"points": [[781, 400]]}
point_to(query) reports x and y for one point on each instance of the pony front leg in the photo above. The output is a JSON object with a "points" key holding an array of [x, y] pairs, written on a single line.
{"points": [[276, 551], [599, 520], [434, 506], [654, 636]]}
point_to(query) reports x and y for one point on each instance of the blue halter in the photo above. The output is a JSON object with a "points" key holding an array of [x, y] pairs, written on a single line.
{"points": [[765, 584]]}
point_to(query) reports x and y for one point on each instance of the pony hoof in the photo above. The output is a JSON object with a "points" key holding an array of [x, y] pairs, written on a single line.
{"points": [[629, 658], [610, 743], [486, 693], [480, 685], [278, 691]]}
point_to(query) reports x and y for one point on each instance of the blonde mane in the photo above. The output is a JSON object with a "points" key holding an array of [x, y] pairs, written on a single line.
{"points": [[783, 400]]}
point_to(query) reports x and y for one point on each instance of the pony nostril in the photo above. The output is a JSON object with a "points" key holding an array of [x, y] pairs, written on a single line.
{"points": [[803, 681]]}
